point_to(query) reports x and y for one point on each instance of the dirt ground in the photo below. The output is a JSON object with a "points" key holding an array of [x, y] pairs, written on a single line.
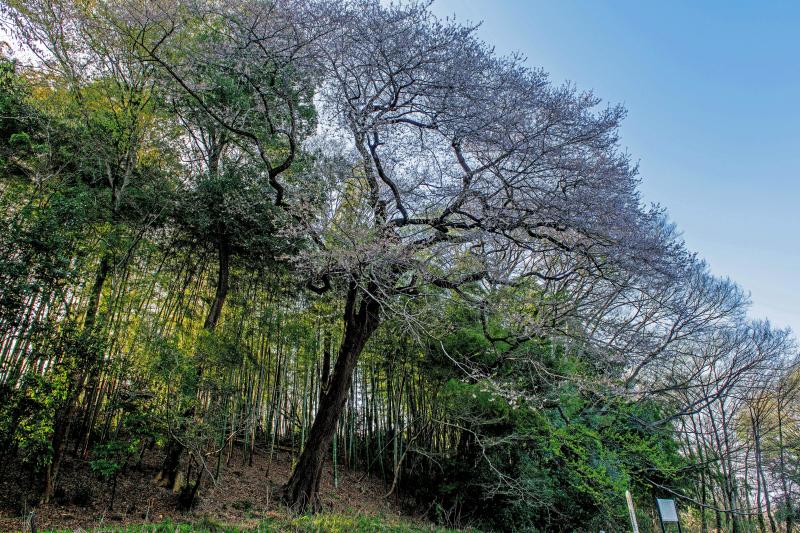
{"points": [[242, 495]]}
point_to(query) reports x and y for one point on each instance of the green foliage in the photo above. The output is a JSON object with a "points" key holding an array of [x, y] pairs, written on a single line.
{"points": [[27, 416], [521, 467], [547, 454], [20, 123], [108, 458], [232, 212]]}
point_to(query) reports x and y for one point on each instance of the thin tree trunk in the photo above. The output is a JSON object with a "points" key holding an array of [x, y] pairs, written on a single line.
{"points": [[788, 509], [763, 483], [169, 469], [730, 475], [63, 420]]}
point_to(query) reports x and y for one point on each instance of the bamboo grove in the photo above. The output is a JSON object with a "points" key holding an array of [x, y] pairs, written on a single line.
{"points": [[349, 232]]}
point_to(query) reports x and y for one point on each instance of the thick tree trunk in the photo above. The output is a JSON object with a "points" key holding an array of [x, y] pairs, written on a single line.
{"points": [[96, 292], [171, 464], [361, 319], [223, 285]]}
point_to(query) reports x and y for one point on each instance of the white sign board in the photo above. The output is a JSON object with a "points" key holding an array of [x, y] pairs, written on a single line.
{"points": [[666, 508]]}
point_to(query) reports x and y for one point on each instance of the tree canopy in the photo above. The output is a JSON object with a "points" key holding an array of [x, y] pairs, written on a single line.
{"points": [[352, 230]]}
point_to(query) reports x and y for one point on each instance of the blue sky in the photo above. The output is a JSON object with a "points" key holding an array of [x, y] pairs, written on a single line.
{"points": [[713, 96]]}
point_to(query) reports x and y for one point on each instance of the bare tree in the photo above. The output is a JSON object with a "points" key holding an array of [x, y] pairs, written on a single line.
{"points": [[460, 169], [727, 411]]}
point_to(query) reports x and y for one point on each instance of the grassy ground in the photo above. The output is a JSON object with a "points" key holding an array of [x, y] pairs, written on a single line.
{"points": [[333, 523]]}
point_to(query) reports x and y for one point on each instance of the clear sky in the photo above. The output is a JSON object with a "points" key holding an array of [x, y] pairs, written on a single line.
{"points": [[712, 90]]}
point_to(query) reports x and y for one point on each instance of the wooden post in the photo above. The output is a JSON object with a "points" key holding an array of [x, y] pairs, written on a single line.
{"points": [[632, 511]]}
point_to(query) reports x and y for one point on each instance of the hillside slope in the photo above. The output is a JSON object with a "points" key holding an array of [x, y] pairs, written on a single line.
{"points": [[240, 500]]}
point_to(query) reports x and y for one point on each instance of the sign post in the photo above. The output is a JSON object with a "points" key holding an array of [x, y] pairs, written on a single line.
{"points": [[632, 512]]}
